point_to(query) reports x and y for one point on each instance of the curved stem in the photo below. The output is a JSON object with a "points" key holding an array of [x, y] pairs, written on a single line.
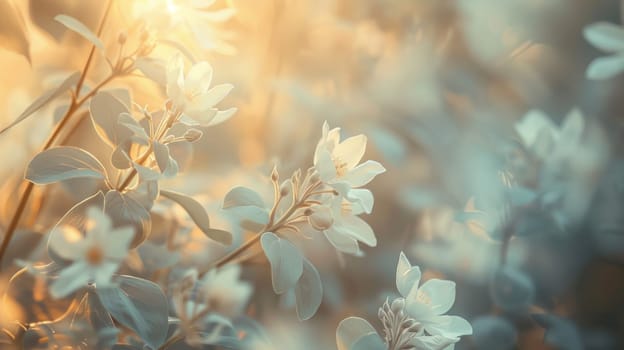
{"points": [[271, 227], [75, 104]]}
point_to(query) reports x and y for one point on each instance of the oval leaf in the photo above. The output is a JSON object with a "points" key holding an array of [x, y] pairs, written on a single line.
{"points": [[62, 163], [197, 212], [105, 110], [81, 29], [44, 99], [351, 330], [242, 196], [125, 210], [285, 259], [308, 291], [139, 305]]}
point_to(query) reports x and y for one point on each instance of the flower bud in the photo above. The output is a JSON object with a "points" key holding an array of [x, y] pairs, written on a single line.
{"points": [[274, 174], [285, 189], [398, 305], [192, 135], [321, 217], [122, 37]]}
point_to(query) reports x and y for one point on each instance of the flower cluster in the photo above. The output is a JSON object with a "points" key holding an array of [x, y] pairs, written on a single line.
{"points": [[415, 321]]}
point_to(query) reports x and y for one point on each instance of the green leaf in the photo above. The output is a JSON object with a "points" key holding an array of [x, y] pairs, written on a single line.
{"points": [[247, 205], [124, 209], [81, 29], [353, 332], [44, 99], [285, 259], [62, 163], [308, 291], [105, 109], [197, 212], [139, 305], [242, 196]]}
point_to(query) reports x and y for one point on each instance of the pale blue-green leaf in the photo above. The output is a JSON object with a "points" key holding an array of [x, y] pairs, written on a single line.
{"points": [[139, 305], [197, 212], [80, 28], [351, 330], [125, 210], [133, 125], [369, 342], [605, 36], [62, 163], [605, 67], [285, 260], [242, 196], [308, 291], [105, 108], [44, 99]]}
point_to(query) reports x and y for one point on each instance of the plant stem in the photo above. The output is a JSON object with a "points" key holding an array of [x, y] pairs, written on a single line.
{"points": [[174, 339], [271, 227], [75, 104]]}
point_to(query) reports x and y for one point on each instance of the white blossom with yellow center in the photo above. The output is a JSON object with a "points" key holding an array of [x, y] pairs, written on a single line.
{"points": [[337, 163], [192, 95], [95, 256], [347, 229], [428, 303]]}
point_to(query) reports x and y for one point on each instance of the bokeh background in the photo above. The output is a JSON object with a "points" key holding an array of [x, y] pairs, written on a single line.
{"points": [[437, 87]]}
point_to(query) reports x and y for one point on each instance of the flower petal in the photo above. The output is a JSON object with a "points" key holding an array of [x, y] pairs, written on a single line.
{"points": [[407, 276], [214, 95], [440, 294], [67, 242], [433, 342], [102, 274], [116, 247], [358, 229], [363, 173], [342, 242], [448, 326], [351, 150], [362, 199], [222, 116], [70, 279], [324, 165], [198, 78]]}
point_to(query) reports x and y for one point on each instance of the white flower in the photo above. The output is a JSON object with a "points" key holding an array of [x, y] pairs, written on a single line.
{"points": [[95, 256], [428, 303], [607, 37], [542, 137], [223, 292], [337, 163], [346, 228], [192, 95]]}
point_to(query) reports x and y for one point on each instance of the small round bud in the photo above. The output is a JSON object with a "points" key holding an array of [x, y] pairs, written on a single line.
{"points": [[398, 305], [122, 37], [285, 189], [192, 135], [321, 217]]}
